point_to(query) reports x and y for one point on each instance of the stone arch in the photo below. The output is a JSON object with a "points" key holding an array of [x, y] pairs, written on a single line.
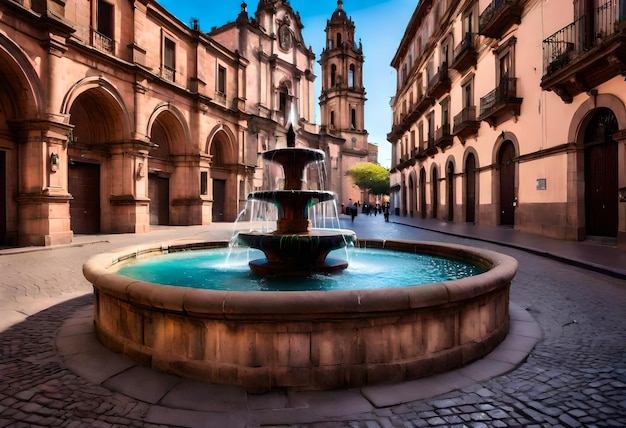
{"points": [[583, 115], [99, 98], [172, 125], [576, 196], [20, 80], [21, 101], [471, 184], [223, 139]]}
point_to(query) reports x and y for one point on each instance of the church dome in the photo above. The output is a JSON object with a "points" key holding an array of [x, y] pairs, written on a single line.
{"points": [[339, 14]]}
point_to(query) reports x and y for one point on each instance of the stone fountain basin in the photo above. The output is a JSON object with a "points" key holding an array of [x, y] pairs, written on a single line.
{"points": [[303, 340]]}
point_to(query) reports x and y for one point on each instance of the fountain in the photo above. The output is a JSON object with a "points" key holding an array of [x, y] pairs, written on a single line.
{"points": [[303, 340], [294, 249]]}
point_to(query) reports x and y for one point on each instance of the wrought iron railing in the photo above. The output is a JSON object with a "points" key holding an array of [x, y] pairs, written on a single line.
{"points": [[505, 92], [493, 8], [442, 132], [465, 45], [441, 75], [575, 39], [468, 114]]}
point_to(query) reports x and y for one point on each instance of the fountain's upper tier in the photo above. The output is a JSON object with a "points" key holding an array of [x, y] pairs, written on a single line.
{"points": [[294, 161]]}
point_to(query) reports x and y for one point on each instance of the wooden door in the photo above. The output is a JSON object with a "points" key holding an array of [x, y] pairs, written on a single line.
{"points": [[470, 189], [450, 191], [219, 200], [507, 184], [601, 176], [159, 194], [84, 186], [423, 192], [435, 195]]}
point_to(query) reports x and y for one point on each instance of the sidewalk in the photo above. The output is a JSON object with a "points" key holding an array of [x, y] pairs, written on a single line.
{"points": [[601, 258]]}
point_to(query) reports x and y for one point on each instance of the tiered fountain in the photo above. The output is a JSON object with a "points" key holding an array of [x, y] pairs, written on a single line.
{"points": [[293, 249], [311, 339]]}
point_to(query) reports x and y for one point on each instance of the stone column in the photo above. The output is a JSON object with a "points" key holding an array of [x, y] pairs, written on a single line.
{"points": [[128, 183]]}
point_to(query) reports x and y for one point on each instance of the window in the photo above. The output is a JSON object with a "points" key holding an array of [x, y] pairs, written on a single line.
{"points": [[420, 135], [505, 60], [333, 75], [445, 112], [332, 120], [468, 92], [221, 79], [105, 19], [169, 59], [204, 183], [103, 37], [353, 118], [338, 40], [351, 76]]}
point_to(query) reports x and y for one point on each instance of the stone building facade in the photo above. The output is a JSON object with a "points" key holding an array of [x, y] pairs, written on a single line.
{"points": [[115, 116], [512, 113]]}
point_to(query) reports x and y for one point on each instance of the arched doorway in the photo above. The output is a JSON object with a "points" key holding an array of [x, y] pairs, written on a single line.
{"points": [[160, 170], [506, 166], [219, 184], [412, 194], [422, 191], [450, 191], [435, 191], [470, 188], [601, 175]]}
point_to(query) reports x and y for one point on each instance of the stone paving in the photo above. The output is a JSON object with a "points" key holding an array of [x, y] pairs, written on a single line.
{"points": [[575, 377]]}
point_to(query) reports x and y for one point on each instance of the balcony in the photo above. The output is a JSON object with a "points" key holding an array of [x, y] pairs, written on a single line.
{"points": [[500, 104], [585, 53], [431, 148], [443, 137], [168, 73], [440, 83], [498, 17], [103, 43], [465, 55], [465, 124], [406, 120]]}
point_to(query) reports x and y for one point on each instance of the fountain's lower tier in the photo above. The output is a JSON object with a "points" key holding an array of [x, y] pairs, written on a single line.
{"points": [[304, 339], [297, 254]]}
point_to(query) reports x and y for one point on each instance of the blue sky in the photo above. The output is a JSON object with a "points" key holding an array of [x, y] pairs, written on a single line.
{"points": [[379, 24]]}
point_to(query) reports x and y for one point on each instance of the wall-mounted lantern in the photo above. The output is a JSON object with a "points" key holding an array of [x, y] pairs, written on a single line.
{"points": [[140, 172], [54, 162]]}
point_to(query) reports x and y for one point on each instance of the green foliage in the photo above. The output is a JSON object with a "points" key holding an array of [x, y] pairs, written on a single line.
{"points": [[370, 177]]}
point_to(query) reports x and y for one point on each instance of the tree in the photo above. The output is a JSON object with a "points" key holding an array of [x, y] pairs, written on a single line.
{"points": [[370, 178]]}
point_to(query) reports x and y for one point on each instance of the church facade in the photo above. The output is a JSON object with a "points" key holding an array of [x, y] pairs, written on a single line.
{"points": [[115, 116]]}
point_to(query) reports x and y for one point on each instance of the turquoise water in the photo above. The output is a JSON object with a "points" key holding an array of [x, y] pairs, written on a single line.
{"points": [[216, 269]]}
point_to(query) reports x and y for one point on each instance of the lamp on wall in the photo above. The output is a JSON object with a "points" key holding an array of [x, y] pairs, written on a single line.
{"points": [[140, 172], [54, 162]]}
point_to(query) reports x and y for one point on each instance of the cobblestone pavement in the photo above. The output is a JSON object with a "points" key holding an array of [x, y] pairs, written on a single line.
{"points": [[575, 377]]}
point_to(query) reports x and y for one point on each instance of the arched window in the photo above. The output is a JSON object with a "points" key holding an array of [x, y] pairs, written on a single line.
{"points": [[338, 40], [351, 76], [333, 75]]}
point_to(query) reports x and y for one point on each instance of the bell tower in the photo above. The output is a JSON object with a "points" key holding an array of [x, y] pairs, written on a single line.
{"points": [[342, 100]]}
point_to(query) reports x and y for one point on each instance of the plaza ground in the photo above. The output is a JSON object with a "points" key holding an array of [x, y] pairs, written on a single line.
{"points": [[564, 363]]}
